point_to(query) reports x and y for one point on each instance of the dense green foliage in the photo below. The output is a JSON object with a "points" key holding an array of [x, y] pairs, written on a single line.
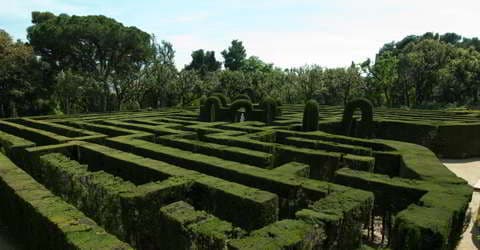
{"points": [[78, 64], [310, 116], [162, 179], [427, 70], [363, 127]]}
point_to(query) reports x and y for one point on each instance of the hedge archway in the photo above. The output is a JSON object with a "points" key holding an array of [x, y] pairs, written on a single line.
{"points": [[239, 104], [365, 127], [212, 108]]}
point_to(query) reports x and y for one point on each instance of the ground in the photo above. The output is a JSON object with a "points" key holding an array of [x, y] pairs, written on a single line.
{"points": [[468, 169]]}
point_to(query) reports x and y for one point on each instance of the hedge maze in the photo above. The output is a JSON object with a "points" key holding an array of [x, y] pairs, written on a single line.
{"points": [[174, 179]]}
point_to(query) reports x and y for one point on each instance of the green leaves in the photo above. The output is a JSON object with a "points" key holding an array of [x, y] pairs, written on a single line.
{"points": [[234, 56]]}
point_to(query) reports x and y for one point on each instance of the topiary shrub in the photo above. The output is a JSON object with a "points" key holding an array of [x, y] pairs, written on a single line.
{"points": [[243, 97], [223, 99], [365, 127], [129, 106], [310, 116], [238, 104], [211, 109], [250, 93], [202, 100], [269, 106]]}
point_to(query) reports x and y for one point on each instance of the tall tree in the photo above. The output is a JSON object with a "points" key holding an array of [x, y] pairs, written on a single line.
{"points": [[95, 45], [384, 74], [17, 62], [203, 62], [234, 56], [159, 77]]}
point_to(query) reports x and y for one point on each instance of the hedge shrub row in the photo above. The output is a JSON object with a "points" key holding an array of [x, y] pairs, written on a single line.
{"points": [[42, 220]]}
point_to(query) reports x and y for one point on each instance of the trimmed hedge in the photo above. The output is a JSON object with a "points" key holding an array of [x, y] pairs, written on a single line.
{"points": [[211, 110], [269, 107], [238, 104], [44, 221], [251, 93], [365, 127], [310, 116], [242, 97], [223, 99]]}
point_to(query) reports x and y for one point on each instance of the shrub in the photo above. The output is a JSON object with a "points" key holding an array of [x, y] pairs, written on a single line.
{"points": [[365, 127], [269, 106], [243, 97], [310, 116], [224, 100], [250, 93], [202, 100], [212, 109], [130, 106], [236, 105]]}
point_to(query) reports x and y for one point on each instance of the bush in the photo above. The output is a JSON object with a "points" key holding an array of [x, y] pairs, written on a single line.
{"points": [[224, 100], [310, 116], [236, 105], [365, 127], [202, 100], [130, 106], [243, 97], [269, 106], [250, 93], [211, 109]]}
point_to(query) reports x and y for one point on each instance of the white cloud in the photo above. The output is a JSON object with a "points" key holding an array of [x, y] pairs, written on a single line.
{"points": [[329, 33]]}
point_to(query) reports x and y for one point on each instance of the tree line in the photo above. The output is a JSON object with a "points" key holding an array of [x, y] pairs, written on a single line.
{"points": [[76, 64]]}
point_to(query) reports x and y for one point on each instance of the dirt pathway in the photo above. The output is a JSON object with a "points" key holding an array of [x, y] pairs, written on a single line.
{"points": [[468, 169]]}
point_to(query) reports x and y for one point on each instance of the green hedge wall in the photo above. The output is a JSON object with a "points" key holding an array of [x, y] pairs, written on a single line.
{"points": [[41, 220]]}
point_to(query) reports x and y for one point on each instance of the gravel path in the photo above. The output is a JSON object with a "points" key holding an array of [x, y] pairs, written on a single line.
{"points": [[468, 169]]}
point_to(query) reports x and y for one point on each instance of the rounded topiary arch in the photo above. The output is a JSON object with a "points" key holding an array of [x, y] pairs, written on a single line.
{"points": [[238, 104], [250, 92], [212, 108], [269, 106], [223, 99], [202, 100], [366, 123], [310, 116], [242, 97]]}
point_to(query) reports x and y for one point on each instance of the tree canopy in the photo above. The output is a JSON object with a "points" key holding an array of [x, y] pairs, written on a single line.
{"points": [[234, 56], [94, 63]]}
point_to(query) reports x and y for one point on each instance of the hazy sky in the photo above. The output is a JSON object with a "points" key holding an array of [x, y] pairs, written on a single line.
{"points": [[284, 32]]}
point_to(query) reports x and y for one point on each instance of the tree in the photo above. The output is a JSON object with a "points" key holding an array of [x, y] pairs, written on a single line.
{"points": [[235, 56], [254, 64], [188, 86], [203, 62], [384, 74], [232, 82], [94, 45], [451, 38], [165, 54], [17, 62], [419, 64], [159, 77]]}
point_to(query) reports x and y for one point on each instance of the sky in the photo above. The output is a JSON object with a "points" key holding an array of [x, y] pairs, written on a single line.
{"points": [[287, 33]]}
